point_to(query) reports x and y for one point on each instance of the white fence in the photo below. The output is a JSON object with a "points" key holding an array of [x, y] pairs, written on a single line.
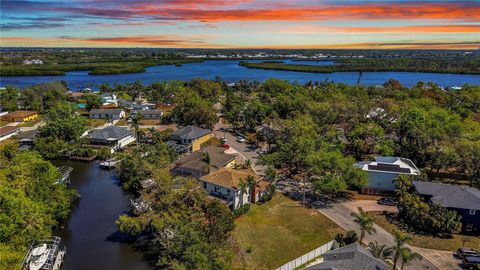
{"points": [[308, 257]]}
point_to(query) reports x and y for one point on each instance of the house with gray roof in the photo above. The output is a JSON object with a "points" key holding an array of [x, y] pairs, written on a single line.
{"points": [[110, 114], [151, 114], [462, 199], [383, 172], [350, 257], [114, 137], [190, 137]]}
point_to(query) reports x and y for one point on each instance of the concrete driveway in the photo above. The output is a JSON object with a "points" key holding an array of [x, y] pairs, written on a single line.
{"points": [[369, 206], [243, 148], [442, 259]]}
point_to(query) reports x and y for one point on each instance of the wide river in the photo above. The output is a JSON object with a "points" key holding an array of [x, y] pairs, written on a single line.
{"points": [[230, 71], [90, 234]]}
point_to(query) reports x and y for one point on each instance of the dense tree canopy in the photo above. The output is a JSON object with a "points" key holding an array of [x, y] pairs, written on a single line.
{"points": [[31, 202]]}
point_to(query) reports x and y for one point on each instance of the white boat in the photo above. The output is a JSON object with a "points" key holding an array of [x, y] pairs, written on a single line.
{"points": [[38, 260], [37, 251]]}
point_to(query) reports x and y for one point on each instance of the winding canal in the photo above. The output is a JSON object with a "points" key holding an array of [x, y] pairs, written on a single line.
{"points": [[90, 234]]}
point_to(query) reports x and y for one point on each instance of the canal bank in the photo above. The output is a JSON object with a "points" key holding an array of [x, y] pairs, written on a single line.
{"points": [[90, 234]]}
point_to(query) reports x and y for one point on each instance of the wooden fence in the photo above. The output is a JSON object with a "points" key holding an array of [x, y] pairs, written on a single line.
{"points": [[309, 256]]}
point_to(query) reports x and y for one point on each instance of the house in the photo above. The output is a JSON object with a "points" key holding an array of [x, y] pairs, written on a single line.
{"points": [[110, 114], [8, 131], [28, 137], [226, 184], [109, 98], [32, 62], [349, 257], [114, 137], [189, 137], [151, 114], [132, 105], [201, 163], [461, 199], [74, 96], [20, 116], [383, 172]]}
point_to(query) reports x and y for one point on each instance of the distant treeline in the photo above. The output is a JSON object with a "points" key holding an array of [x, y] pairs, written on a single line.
{"points": [[96, 68], [460, 65]]}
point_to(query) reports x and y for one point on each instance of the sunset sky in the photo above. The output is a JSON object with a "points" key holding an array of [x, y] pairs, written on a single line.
{"points": [[241, 23]]}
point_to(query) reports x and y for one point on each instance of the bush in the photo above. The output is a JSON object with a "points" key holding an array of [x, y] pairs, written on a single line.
{"points": [[241, 211], [104, 153], [268, 194], [349, 238]]}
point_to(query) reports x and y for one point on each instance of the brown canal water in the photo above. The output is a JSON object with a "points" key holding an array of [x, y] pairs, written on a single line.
{"points": [[90, 234]]}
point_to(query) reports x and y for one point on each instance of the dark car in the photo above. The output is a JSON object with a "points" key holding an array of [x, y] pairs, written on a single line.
{"points": [[470, 262], [387, 201], [467, 252]]}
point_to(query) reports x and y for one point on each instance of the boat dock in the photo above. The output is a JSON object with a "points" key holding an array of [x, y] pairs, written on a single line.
{"points": [[110, 163], [44, 255], [64, 175]]}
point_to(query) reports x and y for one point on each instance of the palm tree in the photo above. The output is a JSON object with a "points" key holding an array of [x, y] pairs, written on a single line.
{"points": [[408, 256], [242, 186], [401, 240], [380, 251], [252, 184], [365, 222]]}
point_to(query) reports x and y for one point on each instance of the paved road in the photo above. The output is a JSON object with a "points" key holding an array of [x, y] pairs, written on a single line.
{"points": [[340, 214]]}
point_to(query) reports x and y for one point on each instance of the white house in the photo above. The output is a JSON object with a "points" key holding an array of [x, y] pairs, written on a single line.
{"points": [[112, 136], [110, 114], [225, 183], [109, 98], [384, 170], [33, 62]]}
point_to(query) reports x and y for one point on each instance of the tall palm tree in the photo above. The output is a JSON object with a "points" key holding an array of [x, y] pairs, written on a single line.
{"points": [[252, 184], [401, 240], [408, 256], [380, 251], [365, 222], [242, 186]]}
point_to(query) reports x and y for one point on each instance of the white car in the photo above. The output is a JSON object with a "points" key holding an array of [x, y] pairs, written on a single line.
{"points": [[241, 139]]}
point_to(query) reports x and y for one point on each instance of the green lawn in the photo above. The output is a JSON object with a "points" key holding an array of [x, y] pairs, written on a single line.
{"points": [[96, 122], [32, 122], [426, 241], [279, 231]]}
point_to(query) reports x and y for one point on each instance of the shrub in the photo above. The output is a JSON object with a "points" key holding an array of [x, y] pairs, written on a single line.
{"points": [[241, 211]]}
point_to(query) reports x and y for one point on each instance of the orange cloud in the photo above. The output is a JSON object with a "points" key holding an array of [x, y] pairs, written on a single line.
{"points": [[368, 11], [129, 41], [413, 29], [382, 46]]}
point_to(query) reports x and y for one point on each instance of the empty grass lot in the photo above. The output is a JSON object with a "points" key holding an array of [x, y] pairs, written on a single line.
{"points": [[427, 241], [279, 231]]}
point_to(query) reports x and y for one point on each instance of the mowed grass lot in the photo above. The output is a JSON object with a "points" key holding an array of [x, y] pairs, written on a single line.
{"points": [[279, 231], [426, 241]]}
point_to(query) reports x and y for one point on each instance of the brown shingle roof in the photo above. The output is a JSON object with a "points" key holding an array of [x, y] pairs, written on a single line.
{"points": [[17, 114], [229, 178], [7, 130]]}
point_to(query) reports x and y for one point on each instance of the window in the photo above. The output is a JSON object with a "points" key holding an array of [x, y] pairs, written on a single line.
{"points": [[204, 184], [472, 212], [469, 227]]}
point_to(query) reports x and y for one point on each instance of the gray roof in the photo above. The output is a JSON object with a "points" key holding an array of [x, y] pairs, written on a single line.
{"points": [[109, 133], [105, 111], [28, 135], [149, 112], [451, 196], [190, 132], [350, 257]]}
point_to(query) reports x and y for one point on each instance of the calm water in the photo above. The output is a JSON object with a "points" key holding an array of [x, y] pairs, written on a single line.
{"points": [[230, 71], [90, 233]]}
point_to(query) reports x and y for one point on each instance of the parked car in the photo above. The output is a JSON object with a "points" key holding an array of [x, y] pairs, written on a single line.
{"points": [[387, 201], [467, 252], [241, 139], [471, 262]]}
